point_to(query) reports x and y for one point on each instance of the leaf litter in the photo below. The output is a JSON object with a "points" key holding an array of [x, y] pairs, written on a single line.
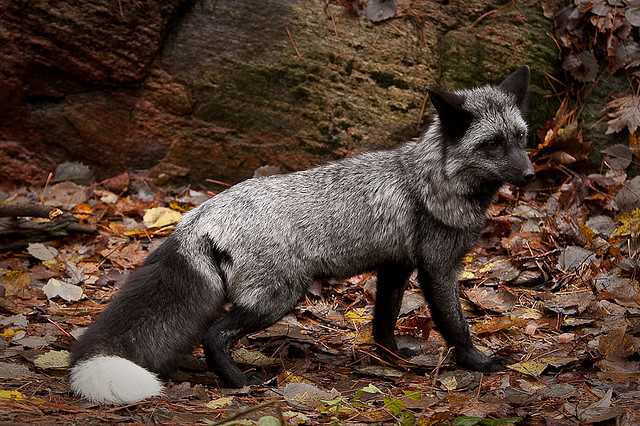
{"points": [[560, 304]]}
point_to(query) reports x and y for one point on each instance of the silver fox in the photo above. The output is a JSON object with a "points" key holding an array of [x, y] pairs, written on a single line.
{"points": [[260, 244]]}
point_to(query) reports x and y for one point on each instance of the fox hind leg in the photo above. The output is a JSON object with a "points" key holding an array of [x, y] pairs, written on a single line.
{"points": [[269, 303]]}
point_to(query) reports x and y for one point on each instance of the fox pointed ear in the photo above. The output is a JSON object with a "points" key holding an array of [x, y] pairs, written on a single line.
{"points": [[517, 83], [454, 120]]}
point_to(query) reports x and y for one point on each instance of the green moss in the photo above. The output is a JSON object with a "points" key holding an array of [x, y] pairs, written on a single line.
{"points": [[386, 80], [249, 95]]}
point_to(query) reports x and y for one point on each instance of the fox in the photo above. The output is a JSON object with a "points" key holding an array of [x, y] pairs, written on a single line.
{"points": [[243, 259]]}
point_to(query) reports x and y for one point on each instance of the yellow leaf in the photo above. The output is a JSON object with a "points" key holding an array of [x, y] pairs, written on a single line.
{"points": [[358, 315], [629, 224], [11, 394], [220, 402], [531, 368], [8, 333], [449, 383], [466, 276], [159, 217]]}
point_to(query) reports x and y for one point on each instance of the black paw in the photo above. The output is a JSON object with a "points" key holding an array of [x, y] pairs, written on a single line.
{"points": [[473, 359], [408, 352], [256, 378]]}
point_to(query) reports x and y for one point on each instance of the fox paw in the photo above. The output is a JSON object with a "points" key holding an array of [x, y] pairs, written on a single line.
{"points": [[475, 360]]}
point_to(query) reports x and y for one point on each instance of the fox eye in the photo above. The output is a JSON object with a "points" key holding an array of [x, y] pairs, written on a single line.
{"points": [[493, 142], [520, 134]]}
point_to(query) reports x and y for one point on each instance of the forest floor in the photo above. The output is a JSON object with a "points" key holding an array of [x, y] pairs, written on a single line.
{"points": [[551, 286]]}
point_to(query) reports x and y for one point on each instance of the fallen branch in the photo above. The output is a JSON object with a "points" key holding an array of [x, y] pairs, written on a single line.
{"points": [[18, 229]]}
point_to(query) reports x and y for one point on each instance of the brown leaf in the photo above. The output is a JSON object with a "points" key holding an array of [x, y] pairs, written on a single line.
{"points": [[623, 113], [493, 300]]}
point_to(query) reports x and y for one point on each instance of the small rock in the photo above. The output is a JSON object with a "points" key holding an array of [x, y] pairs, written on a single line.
{"points": [[566, 338], [73, 172]]}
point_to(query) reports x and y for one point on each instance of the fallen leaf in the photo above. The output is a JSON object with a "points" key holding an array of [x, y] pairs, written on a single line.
{"points": [[268, 421], [65, 195], [617, 156], [380, 10], [159, 217], [380, 371], [530, 368], [496, 324], [307, 396], [449, 383], [623, 113], [57, 288], [53, 360], [575, 257], [600, 410], [220, 402], [42, 252], [358, 315], [499, 301], [17, 283], [255, 358], [9, 370], [11, 394], [629, 196]]}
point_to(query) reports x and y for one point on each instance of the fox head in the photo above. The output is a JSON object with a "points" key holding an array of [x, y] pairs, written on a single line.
{"points": [[484, 132]]}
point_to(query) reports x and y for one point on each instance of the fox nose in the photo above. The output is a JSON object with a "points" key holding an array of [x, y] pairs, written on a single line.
{"points": [[529, 175]]}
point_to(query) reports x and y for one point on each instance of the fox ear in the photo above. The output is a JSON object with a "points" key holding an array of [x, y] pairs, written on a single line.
{"points": [[454, 120], [517, 83]]}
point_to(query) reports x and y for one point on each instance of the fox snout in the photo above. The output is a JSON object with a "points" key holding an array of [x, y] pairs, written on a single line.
{"points": [[524, 173]]}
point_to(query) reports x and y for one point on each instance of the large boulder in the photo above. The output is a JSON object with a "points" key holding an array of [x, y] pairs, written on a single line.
{"points": [[218, 89]]}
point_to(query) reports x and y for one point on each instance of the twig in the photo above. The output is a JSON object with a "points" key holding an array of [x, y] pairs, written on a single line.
{"points": [[436, 371], [247, 411], [219, 182], [293, 43], [46, 184], [479, 385], [423, 107], [335, 28], [59, 327]]}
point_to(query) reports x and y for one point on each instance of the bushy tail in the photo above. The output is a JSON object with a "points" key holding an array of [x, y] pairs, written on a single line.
{"points": [[113, 380], [163, 309]]}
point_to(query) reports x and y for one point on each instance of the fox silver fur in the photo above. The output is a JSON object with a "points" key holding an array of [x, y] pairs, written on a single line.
{"points": [[261, 243]]}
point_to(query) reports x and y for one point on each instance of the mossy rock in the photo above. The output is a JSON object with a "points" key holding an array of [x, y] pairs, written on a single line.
{"points": [[490, 47]]}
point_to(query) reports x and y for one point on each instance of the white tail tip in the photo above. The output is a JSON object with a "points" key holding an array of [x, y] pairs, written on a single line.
{"points": [[113, 380]]}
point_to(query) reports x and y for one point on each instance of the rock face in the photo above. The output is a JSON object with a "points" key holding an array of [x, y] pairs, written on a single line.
{"points": [[218, 89]]}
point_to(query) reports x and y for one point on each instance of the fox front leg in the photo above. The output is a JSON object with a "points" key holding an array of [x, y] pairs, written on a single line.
{"points": [[440, 288], [392, 281]]}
